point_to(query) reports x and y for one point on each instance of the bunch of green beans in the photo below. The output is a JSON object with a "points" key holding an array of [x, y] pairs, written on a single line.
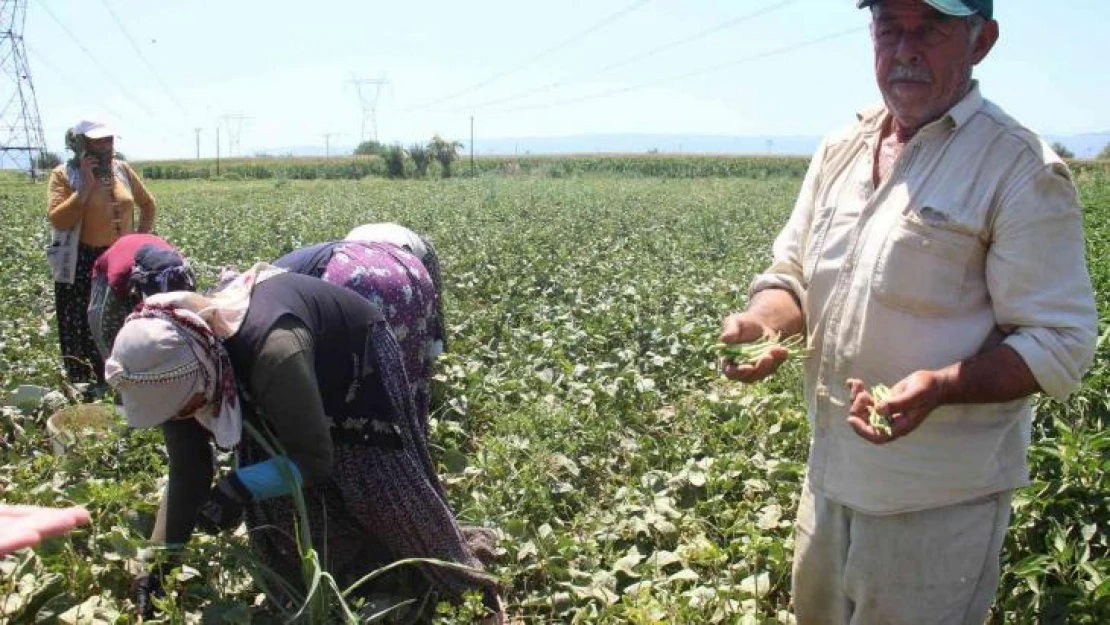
{"points": [[755, 350], [881, 423]]}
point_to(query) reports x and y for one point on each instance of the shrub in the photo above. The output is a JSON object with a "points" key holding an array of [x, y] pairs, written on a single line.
{"points": [[395, 161], [370, 148], [444, 151], [421, 157], [47, 160]]}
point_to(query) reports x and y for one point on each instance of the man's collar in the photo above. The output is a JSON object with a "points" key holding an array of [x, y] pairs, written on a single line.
{"points": [[965, 108]]}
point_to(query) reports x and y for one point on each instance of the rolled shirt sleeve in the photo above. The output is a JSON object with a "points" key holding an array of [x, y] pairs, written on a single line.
{"points": [[1038, 280]]}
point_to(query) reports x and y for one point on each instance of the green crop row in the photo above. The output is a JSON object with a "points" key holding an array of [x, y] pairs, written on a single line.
{"points": [[578, 410], [357, 167]]}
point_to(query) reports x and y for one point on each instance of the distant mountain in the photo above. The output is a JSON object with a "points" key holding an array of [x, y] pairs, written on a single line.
{"points": [[1086, 145], [602, 143]]}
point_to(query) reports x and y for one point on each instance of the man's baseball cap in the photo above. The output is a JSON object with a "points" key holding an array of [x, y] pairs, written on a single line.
{"points": [[958, 8]]}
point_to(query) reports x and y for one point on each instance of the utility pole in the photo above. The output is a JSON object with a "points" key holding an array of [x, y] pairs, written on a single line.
{"points": [[471, 146], [217, 150], [368, 91], [197, 130], [327, 144], [20, 125]]}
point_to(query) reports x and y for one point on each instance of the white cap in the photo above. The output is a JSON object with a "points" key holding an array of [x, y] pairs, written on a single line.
{"points": [[93, 129]]}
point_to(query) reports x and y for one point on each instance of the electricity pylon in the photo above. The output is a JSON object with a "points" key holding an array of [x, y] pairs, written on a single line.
{"points": [[368, 90], [21, 138], [234, 124]]}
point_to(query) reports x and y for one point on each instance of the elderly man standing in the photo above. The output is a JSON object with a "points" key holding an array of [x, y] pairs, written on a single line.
{"points": [[936, 247]]}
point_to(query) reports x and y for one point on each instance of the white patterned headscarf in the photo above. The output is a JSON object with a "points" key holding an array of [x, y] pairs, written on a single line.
{"points": [[162, 358], [225, 309]]}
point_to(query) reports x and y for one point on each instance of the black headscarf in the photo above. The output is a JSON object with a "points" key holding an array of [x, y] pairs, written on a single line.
{"points": [[158, 270]]}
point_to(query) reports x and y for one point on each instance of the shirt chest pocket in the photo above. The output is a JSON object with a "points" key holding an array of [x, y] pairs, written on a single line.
{"points": [[925, 269]]}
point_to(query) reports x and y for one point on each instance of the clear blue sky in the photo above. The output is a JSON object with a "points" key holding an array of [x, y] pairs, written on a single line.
{"points": [[286, 67]]}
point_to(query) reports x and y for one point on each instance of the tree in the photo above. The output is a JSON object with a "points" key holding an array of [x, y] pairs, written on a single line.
{"points": [[47, 160], [394, 156], [370, 148], [1062, 150], [1105, 153], [422, 157], [444, 151]]}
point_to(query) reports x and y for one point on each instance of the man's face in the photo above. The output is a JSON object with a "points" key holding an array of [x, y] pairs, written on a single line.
{"points": [[923, 58]]}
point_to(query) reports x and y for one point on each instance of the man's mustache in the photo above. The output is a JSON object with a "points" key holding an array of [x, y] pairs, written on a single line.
{"points": [[909, 72]]}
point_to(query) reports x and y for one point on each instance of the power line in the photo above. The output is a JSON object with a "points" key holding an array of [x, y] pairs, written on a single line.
{"points": [[159, 128], [730, 23], [110, 76], [705, 70], [45, 62], [142, 57], [555, 48], [69, 80]]}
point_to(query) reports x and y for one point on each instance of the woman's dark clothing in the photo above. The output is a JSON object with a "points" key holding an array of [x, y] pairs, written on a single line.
{"points": [[80, 355], [309, 261], [397, 283], [356, 399], [116, 264], [191, 472], [380, 499]]}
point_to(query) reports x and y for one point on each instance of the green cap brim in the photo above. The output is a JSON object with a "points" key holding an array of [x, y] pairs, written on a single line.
{"points": [[956, 8]]}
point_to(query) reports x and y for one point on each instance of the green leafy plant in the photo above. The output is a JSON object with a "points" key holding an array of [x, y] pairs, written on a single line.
{"points": [[576, 411]]}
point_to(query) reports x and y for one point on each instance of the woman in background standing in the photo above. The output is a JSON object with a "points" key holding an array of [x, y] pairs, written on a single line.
{"points": [[90, 201]]}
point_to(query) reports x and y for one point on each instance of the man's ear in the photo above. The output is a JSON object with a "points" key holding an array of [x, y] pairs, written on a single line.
{"points": [[988, 36]]}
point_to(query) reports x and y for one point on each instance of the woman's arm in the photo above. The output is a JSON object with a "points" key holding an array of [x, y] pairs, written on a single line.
{"points": [[191, 470], [64, 208], [143, 199], [285, 391]]}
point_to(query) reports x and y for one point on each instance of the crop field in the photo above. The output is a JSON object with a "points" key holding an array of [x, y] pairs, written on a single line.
{"points": [[578, 410]]}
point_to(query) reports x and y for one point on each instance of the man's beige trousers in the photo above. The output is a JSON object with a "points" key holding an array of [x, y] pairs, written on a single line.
{"points": [[936, 566]]}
